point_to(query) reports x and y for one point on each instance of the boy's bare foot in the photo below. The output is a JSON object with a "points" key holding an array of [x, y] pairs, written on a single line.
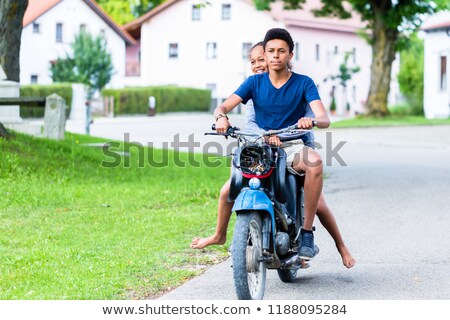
{"points": [[200, 243], [347, 258]]}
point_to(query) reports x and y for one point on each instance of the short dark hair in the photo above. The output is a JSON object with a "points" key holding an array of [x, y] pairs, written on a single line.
{"points": [[279, 34]]}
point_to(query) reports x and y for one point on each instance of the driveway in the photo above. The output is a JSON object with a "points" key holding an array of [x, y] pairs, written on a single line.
{"points": [[389, 191]]}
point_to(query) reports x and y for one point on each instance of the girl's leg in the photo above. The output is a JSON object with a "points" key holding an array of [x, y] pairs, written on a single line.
{"points": [[327, 219]]}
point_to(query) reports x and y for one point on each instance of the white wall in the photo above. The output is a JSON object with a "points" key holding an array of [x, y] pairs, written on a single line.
{"points": [[436, 102], [38, 49], [174, 25]]}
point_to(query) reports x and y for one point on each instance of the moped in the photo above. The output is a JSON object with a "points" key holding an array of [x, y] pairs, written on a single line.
{"points": [[268, 202]]}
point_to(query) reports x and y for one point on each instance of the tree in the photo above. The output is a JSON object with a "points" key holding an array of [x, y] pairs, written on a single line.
{"points": [[11, 17], [90, 63], [410, 76], [125, 11], [344, 75], [389, 22]]}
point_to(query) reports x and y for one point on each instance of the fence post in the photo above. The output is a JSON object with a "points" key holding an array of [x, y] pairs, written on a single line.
{"points": [[54, 117]]}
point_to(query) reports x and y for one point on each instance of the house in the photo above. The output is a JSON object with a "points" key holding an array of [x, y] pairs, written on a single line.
{"points": [[207, 47], [49, 27], [436, 67]]}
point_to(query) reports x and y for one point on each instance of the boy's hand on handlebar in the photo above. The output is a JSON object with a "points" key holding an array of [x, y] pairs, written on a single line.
{"points": [[222, 125], [305, 123], [274, 140]]}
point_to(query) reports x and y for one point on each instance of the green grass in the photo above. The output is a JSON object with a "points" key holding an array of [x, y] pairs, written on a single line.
{"points": [[72, 229], [393, 120]]}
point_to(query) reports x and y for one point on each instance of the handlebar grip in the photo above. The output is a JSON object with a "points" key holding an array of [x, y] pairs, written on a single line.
{"points": [[314, 125]]}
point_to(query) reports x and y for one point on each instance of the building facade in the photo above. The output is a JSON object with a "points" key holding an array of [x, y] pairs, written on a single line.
{"points": [[436, 67], [50, 26], [206, 47]]}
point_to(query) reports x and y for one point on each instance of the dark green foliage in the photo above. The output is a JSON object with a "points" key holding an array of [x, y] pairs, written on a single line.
{"points": [[64, 90], [410, 77], [89, 64], [168, 99]]}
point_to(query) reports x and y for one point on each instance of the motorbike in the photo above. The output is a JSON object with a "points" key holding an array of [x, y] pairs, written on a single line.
{"points": [[268, 202]]}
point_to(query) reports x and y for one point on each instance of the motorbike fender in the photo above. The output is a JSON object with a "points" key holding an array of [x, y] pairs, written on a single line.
{"points": [[255, 200]]}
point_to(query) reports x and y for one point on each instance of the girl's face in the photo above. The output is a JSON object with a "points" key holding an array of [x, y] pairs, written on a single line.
{"points": [[257, 61]]}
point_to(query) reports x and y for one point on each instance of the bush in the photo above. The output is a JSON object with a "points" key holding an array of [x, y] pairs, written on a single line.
{"points": [[168, 99], [64, 90]]}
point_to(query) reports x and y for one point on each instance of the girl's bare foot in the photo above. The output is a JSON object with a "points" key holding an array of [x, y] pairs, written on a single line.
{"points": [[347, 258], [200, 243]]}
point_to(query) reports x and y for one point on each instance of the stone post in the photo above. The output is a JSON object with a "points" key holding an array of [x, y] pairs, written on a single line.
{"points": [[55, 117], [9, 89]]}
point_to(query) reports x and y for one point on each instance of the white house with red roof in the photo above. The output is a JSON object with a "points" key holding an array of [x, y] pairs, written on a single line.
{"points": [[49, 27], [182, 44], [436, 68]]}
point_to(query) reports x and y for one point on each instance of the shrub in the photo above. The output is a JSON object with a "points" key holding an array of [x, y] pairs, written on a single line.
{"points": [[168, 99], [62, 89]]}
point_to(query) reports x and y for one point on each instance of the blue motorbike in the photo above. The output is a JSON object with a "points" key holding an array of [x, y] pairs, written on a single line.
{"points": [[268, 201]]}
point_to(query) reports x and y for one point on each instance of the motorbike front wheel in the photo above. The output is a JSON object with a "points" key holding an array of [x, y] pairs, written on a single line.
{"points": [[249, 274]]}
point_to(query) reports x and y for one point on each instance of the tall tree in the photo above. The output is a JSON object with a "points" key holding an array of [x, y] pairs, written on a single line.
{"points": [[125, 11], [90, 63], [11, 16], [389, 22]]}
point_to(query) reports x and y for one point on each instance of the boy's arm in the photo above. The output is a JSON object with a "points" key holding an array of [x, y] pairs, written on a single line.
{"points": [[320, 117], [220, 113]]}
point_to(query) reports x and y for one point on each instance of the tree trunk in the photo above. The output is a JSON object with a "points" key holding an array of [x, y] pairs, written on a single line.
{"points": [[383, 54], [11, 16]]}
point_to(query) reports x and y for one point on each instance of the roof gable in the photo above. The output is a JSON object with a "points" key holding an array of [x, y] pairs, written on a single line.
{"points": [[37, 8]]}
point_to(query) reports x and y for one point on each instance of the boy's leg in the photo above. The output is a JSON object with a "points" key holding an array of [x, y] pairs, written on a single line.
{"points": [[309, 162], [223, 218]]}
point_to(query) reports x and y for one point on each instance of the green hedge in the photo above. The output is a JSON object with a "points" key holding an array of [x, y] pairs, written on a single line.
{"points": [[168, 99], [64, 90]]}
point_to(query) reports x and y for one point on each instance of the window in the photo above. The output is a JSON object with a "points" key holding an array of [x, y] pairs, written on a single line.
{"points": [[103, 33], [36, 27], [354, 55], [195, 13], [173, 50], [82, 27], [354, 94], [443, 74], [336, 50], [246, 46], [226, 11], [33, 79], [59, 30], [317, 52], [297, 51], [211, 50]]}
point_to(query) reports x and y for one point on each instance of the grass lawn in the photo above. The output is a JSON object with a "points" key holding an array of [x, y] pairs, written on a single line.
{"points": [[393, 120], [71, 228]]}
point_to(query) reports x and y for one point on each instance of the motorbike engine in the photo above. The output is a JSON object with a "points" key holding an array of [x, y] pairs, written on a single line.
{"points": [[282, 242]]}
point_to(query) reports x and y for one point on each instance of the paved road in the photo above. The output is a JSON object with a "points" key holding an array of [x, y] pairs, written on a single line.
{"points": [[391, 200]]}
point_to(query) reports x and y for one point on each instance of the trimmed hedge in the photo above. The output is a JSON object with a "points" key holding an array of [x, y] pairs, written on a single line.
{"points": [[64, 90], [168, 99]]}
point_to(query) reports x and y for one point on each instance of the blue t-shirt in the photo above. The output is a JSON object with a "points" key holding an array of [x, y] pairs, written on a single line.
{"points": [[278, 108]]}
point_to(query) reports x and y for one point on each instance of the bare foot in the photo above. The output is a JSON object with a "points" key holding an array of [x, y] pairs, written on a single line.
{"points": [[347, 258], [200, 243]]}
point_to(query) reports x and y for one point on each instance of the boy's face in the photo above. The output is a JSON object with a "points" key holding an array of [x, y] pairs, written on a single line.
{"points": [[277, 54]]}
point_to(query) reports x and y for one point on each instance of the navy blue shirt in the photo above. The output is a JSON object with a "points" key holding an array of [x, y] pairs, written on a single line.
{"points": [[278, 108]]}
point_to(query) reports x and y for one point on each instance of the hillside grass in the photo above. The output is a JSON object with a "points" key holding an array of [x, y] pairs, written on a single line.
{"points": [[71, 228]]}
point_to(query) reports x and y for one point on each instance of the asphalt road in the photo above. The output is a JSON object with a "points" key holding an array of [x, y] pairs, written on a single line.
{"points": [[391, 199]]}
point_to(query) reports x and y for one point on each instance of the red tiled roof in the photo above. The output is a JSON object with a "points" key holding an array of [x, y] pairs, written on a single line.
{"points": [[441, 25], [36, 8]]}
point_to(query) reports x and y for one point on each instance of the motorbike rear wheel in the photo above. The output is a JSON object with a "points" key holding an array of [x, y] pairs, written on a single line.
{"points": [[287, 275], [249, 274]]}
